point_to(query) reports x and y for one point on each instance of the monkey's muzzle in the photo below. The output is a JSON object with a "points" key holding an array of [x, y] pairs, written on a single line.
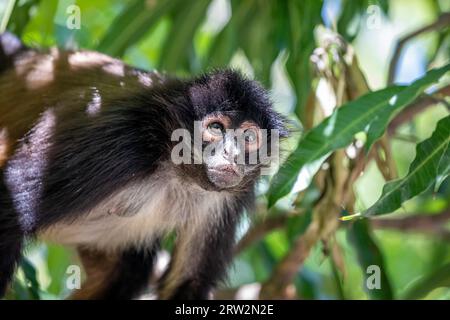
{"points": [[225, 176]]}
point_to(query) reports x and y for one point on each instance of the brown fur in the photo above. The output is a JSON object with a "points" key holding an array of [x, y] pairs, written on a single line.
{"points": [[100, 268], [36, 83], [39, 80]]}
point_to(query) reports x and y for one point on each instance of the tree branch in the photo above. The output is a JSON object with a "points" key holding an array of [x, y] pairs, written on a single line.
{"points": [[416, 107], [260, 230], [442, 22], [428, 223], [275, 287]]}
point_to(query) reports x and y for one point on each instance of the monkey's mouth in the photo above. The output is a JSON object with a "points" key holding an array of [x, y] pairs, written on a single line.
{"points": [[224, 176]]}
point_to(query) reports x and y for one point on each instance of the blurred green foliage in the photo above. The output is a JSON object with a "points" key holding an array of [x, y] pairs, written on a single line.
{"points": [[273, 41]]}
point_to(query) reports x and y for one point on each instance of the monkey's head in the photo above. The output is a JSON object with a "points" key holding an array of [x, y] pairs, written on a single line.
{"points": [[236, 131]]}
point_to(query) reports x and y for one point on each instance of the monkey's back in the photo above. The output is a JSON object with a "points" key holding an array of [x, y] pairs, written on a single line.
{"points": [[68, 82]]}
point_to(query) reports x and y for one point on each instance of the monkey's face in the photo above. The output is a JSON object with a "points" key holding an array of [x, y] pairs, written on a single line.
{"points": [[230, 152], [238, 128]]}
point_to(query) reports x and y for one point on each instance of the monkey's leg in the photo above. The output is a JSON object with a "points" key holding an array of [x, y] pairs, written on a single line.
{"points": [[199, 262], [121, 276], [11, 238]]}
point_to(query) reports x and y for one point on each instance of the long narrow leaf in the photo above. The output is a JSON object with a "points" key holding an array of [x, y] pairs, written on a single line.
{"points": [[31, 278], [4, 19], [437, 279], [226, 42], [338, 130], [369, 255], [186, 21], [132, 24], [378, 126], [303, 17], [335, 132], [430, 164], [21, 15]]}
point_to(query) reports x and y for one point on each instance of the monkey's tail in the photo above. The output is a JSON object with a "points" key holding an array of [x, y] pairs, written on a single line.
{"points": [[11, 238]]}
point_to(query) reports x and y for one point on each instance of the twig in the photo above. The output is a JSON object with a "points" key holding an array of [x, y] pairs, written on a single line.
{"points": [[384, 170], [258, 232], [390, 167], [324, 221], [416, 107], [275, 287], [406, 138], [417, 220], [442, 21], [360, 164]]}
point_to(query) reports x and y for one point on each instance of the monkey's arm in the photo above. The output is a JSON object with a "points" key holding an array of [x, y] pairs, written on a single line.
{"points": [[115, 276], [11, 237], [201, 258]]}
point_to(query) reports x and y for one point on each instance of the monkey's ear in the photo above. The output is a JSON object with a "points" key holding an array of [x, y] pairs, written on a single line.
{"points": [[9, 46]]}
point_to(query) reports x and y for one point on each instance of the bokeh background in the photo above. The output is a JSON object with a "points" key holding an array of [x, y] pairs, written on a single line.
{"points": [[298, 50]]}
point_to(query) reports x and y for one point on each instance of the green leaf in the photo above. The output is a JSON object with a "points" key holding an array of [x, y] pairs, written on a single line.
{"points": [[405, 97], [351, 17], [186, 21], [363, 114], [303, 17], [58, 258], [437, 279], [40, 29], [226, 43], [5, 14], [132, 24], [334, 132], [31, 278], [432, 162], [369, 254], [255, 32], [297, 225]]}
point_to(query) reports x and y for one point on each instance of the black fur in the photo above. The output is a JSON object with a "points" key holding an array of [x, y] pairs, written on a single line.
{"points": [[132, 274], [70, 161], [216, 254], [11, 236], [90, 156]]}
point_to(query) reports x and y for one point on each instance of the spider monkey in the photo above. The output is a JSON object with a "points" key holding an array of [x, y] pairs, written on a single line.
{"points": [[86, 160]]}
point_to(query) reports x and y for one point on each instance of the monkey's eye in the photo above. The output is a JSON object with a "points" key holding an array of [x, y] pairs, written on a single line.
{"points": [[216, 128], [250, 136]]}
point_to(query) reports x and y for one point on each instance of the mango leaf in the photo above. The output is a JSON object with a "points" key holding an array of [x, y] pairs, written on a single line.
{"points": [[338, 130], [5, 14], [21, 15], [432, 162], [132, 24], [253, 38], [437, 279], [371, 260], [351, 17], [303, 17], [58, 258], [226, 42], [31, 283], [186, 21], [334, 132], [407, 96], [40, 29]]}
